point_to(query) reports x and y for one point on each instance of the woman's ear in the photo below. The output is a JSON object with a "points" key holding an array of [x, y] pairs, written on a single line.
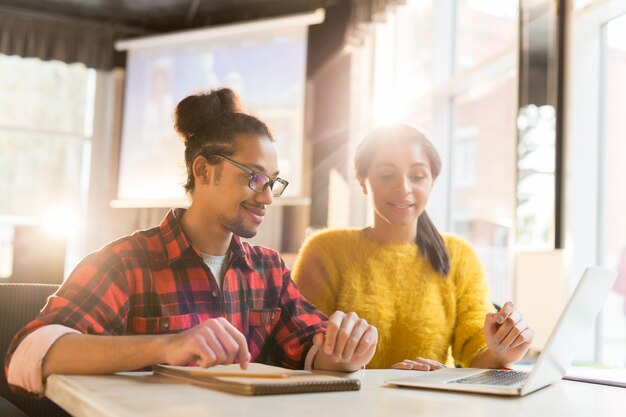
{"points": [[362, 185]]}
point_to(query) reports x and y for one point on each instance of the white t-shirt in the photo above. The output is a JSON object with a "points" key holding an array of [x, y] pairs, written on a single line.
{"points": [[216, 264]]}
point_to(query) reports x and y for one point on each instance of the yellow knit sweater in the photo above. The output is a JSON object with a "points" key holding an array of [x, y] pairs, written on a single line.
{"points": [[392, 286]]}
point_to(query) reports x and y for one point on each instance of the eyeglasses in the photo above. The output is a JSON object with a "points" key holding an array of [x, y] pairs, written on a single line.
{"points": [[259, 181]]}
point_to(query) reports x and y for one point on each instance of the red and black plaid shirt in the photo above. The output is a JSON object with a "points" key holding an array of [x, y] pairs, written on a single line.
{"points": [[155, 281]]}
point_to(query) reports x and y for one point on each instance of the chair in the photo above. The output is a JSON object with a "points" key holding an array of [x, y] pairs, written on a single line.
{"points": [[7, 409], [19, 304]]}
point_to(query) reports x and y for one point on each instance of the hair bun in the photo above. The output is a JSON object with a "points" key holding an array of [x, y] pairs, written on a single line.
{"points": [[195, 113]]}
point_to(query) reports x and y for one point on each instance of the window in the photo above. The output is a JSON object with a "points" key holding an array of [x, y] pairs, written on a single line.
{"points": [[464, 159], [595, 184], [45, 125], [482, 186], [414, 48], [614, 184], [484, 28], [403, 64]]}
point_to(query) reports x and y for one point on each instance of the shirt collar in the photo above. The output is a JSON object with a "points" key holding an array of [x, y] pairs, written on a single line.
{"points": [[239, 250], [174, 239], [176, 242]]}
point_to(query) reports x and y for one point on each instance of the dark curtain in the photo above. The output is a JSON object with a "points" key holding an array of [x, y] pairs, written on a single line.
{"points": [[89, 43]]}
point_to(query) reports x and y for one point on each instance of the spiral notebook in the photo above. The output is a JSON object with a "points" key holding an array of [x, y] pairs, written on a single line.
{"points": [[258, 379]]}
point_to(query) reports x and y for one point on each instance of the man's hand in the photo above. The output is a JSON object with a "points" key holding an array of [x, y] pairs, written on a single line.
{"points": [[213, 342], [508, 336], [349, 343]]}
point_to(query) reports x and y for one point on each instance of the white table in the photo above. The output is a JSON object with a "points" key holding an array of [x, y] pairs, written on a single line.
{"points": [[143, 394]]}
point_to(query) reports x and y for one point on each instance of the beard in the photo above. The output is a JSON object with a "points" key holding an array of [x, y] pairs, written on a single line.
{"points": [[236, 226]]}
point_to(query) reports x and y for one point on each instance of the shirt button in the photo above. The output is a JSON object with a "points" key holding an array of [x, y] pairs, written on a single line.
{"points": [[214, 293]]}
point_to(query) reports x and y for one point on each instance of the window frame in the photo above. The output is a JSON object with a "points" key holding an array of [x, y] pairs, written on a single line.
{"points": [[585, 227]]}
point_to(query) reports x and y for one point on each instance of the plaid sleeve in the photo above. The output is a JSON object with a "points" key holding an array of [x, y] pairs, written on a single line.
{"points": [[299, 322], [93, 300]]}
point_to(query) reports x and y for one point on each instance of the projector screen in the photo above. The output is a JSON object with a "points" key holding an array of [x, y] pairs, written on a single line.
{"points": [[265, 62]]}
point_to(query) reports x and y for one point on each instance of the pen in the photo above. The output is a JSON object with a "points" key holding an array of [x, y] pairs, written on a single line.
{"points": [[237, 374]]}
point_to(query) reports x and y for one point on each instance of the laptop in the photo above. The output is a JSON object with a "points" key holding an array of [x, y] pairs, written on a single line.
{"points": [[575, 321]]}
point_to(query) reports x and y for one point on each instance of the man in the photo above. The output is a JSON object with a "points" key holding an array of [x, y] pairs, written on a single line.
{"points": [[189, 291]]}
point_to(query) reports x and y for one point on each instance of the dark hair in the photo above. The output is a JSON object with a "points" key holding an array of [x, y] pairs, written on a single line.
{"points": [[428, 238], [209, 123]]}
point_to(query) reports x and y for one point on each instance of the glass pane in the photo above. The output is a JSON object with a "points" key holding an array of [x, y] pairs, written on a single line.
{"points": [[615, 193], [482, 179], [39, 171], [536, 173], [484, 29], [420, 115], [46, 109], [386, 108], [579, 4], [403, 61], [43, 95], [414, 48], [414, 64]]}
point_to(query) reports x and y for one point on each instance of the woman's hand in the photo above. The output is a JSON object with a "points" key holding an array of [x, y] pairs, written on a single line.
{"points": [[419, 364], [508, 336]]}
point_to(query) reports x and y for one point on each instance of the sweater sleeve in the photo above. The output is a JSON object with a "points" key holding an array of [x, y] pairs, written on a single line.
{"points": [[472, 303], [316, 276]]}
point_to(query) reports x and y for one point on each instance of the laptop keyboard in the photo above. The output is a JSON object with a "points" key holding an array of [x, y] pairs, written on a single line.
{"points": [[494, 377]]}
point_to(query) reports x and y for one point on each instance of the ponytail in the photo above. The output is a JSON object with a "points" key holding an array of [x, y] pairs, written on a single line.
{"points": [[431, 245]]}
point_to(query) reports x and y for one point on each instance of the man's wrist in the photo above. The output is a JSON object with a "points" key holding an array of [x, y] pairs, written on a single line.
{"points": [[157, 346], [311, 356], [324, 362]]}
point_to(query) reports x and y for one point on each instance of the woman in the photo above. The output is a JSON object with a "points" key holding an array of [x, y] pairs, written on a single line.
{"points": [[424, 292]]}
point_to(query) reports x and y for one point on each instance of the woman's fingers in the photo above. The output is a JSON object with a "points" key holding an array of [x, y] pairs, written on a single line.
{"points": [[525, 337], [507, 329], [410, 365], [507, 309], [433, 365], [419, 364], [402, 365]]}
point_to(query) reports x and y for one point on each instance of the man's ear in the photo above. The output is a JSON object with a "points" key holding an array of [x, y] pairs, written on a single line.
{"points": [[201, 170]]}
